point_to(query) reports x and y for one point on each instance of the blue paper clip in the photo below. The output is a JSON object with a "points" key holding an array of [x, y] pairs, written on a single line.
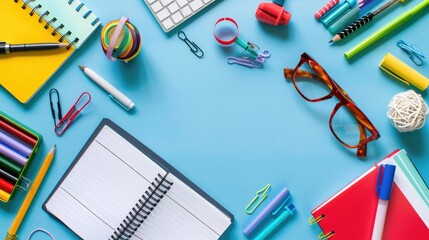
{"points": [[74, 111], [412, 51]]}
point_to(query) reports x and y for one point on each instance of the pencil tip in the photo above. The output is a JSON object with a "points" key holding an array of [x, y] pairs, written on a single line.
{"points": [[81, 67], [330, 41]]}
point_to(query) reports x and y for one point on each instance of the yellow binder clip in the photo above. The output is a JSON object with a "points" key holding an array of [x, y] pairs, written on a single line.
{"points": [[262, 194]]}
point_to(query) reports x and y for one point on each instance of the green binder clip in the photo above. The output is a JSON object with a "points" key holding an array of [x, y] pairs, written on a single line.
{"points": [[263, 193]]}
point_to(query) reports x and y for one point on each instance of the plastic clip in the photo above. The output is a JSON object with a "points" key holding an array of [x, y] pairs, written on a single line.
{"points": [[192, 46], [74, 111], [253, 63], [414, 53], [25, 183], [263, 193]]}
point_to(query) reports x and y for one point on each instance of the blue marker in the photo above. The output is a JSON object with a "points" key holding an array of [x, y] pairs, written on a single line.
{"points": [[289, 209], [271, 210], [383, 189]]}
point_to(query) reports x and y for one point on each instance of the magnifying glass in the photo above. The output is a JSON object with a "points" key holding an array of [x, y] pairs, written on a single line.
{"points": [[226, 33]]}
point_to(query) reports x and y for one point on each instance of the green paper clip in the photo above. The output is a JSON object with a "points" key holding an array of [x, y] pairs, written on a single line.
{"points": [[264, 194]]}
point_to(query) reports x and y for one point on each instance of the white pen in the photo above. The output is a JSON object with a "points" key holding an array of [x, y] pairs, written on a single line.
{"points": [[115, 94], [383, 189]]}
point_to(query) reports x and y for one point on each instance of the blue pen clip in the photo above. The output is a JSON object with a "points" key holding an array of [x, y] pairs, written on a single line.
{"points": [[281, 205], [385, 177]]}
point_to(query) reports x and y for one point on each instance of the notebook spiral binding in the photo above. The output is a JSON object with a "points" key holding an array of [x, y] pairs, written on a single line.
{"points": [[142, 209], [322, 235], [50, 22]]}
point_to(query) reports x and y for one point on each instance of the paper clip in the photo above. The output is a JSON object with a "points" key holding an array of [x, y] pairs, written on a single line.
{"points": [[192, 46], [412, 51], [74, 111], [60, 116], [264, 193], [248, 62]]}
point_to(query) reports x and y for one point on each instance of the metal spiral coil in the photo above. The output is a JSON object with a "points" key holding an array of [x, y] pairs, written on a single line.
{"points": [[142, 209]]}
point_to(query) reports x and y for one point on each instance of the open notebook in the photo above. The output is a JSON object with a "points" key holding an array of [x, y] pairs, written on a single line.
{"points": [[117, 188], [35, 21]]}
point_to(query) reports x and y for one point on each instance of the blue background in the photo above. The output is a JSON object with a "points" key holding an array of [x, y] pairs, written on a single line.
{"points": [[228, 128]]}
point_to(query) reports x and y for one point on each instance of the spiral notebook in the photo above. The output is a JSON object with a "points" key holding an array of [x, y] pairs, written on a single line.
{"points": [[349, 214], [117, 188], [23, 21]]}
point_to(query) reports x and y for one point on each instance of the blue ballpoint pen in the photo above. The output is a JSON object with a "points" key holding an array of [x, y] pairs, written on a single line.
{"points": [[289, 209]]}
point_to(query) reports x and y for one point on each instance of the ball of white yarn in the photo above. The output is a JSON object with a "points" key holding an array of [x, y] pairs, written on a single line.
{"points": [[407, 111]]}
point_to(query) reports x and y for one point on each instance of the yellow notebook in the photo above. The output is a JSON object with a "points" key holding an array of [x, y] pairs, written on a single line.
{"points": [[23, 74]]}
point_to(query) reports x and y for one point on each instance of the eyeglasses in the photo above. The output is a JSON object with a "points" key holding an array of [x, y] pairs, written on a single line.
{"points": [[347, 122]]}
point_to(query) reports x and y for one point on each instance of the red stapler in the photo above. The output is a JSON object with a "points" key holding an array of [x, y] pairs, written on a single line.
{"points": [[272, 13]]}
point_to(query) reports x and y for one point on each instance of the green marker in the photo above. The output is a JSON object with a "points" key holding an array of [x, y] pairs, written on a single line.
{"points": [[386, 29]]}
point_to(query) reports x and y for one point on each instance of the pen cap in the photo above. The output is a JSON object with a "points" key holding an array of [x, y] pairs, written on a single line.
{"points": [[384, 186], [403, 72]]}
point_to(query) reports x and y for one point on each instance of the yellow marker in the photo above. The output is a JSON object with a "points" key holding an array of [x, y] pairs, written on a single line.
{"points": [[4, 196], [11, 235], [403, 72]]}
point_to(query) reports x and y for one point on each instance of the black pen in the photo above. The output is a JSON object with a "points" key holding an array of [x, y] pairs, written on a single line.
{"points": [[10, 48]]}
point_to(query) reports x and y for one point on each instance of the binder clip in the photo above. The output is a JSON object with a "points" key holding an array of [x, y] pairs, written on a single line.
{"points": [[273, 13]]}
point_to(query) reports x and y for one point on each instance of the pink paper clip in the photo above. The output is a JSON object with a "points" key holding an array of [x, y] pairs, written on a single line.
{"points": [[74, 111]]}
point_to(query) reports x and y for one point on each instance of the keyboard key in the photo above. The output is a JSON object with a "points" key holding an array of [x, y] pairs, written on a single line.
{"points": [[177, 17], [196, 4], [168, 23], [173, 7], [166, 2], [150, 1], [163, 14], [206, 1], [156, 6], [186, 11], [182, 2]]}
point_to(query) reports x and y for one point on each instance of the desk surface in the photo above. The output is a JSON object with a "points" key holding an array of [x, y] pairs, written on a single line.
{"points": [[229, 128]]}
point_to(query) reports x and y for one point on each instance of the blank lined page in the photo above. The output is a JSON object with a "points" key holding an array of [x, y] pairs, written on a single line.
{"points": [[104, 185], [183, 214]]}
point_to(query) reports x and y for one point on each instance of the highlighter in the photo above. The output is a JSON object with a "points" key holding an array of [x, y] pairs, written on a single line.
{"points": [[345, 20], [272, 209], [403, 72]]}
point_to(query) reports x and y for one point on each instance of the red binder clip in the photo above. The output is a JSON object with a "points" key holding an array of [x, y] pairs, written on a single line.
{"points": [[272, 13]]}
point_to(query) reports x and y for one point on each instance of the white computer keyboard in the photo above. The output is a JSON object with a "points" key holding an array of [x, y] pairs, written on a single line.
{"points": [[171, 13]]}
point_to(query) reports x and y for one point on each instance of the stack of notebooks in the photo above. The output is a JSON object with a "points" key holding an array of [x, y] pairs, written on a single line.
{"points": [[119, 189], [349, 214]]}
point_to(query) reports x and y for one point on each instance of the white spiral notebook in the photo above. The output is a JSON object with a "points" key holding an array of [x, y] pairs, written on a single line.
{"points": [[117, 188]]}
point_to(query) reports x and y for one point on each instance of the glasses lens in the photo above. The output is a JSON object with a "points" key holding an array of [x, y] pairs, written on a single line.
{"points": [[309, 82], [345, 126]]}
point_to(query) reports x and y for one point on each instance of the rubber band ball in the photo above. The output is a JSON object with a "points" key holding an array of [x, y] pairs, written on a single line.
{"points": [[120, 39], [407, 111]]}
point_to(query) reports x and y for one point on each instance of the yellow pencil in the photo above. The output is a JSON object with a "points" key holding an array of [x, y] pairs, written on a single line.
{"points": [[11, 235]]}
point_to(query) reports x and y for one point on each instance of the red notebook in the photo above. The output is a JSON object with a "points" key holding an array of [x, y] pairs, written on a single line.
{"points": [[349, 214]]}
